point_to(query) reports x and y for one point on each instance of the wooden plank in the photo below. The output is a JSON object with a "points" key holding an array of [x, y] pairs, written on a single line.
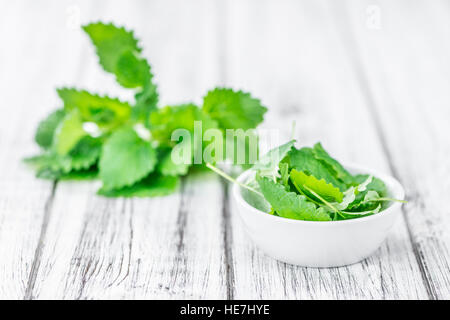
{"points": [[29, 69], [169, 247], [185, 246], [289, 54], [405, 63]]}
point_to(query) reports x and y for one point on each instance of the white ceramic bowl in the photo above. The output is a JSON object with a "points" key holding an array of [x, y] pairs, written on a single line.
{"points": [[320, 243]]}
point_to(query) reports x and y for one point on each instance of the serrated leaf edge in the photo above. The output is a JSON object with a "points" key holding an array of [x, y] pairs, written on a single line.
{"points": [[240, 91], [322, 181], [105, 96]]}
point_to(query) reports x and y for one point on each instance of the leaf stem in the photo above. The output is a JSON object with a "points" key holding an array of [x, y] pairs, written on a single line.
{"points": [[361, 213], [388, 199], [336, 211], [300, 190], [231, 179], [321, 199], [294, 123]]}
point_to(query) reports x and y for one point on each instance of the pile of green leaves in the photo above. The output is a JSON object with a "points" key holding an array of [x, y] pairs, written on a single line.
{"points": [[308, 184], [128, 144]]}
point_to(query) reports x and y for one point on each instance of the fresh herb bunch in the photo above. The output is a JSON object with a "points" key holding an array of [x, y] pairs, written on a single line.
{"points": [[308, 184], [127, 144]]}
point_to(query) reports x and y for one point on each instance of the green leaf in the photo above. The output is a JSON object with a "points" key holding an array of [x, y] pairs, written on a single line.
{"points": [[371, 196], [132, 71], [254, 199], [376, 185], [345, 215], [233, 109], [341, 172], [356, 195], [46, 129], [166, 120], [305, 160], [69, 132], [146, 103], [84, 174], [85, 154], [51, 165], [364, 185], [289, 204], [169, 168], [111, 42], [106, 112], [152, 186], [284, 175], [120, 54], [267, 165], [349, 197], [125, 159], [326, 190]]}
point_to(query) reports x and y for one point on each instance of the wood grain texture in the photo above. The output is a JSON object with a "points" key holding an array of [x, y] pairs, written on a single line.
{"points": [[410, 106], [28, 67], [169, 247], [373, 94], [296, 60]]}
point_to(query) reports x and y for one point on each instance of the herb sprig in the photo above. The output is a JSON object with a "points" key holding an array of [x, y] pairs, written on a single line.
{"points": [[127, 144], [308, 184]]}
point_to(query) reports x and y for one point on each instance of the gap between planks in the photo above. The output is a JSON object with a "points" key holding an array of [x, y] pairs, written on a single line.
{"points": [[47, 217], [222, 24], [354, 55], [227, 240], [41, 242]]}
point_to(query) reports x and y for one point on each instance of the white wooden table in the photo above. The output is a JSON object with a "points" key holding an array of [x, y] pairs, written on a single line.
{"points": [[370, 79]]}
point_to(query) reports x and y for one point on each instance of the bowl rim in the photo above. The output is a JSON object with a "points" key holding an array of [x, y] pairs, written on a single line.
{"points": [[392, 184]]}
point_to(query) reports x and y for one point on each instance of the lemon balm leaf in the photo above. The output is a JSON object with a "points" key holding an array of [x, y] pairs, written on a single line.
{"points": [[284, 174], [98, 134], [152, 186], [359, 214], [233, 109], [375, 184], [371, 196], [341, 173], [168, 167], [46, 129], [290, 204], [367, 184], [132, 71], [236, 110], [349, 197], [304, 160], [306, 182], [255, 199], [83, 156], [268, 164], [49, 165], [107, 113], [69, 132], [111, 43], [146, 103], [126, 158], [119, 53], [165, 121], [84, 174]]}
